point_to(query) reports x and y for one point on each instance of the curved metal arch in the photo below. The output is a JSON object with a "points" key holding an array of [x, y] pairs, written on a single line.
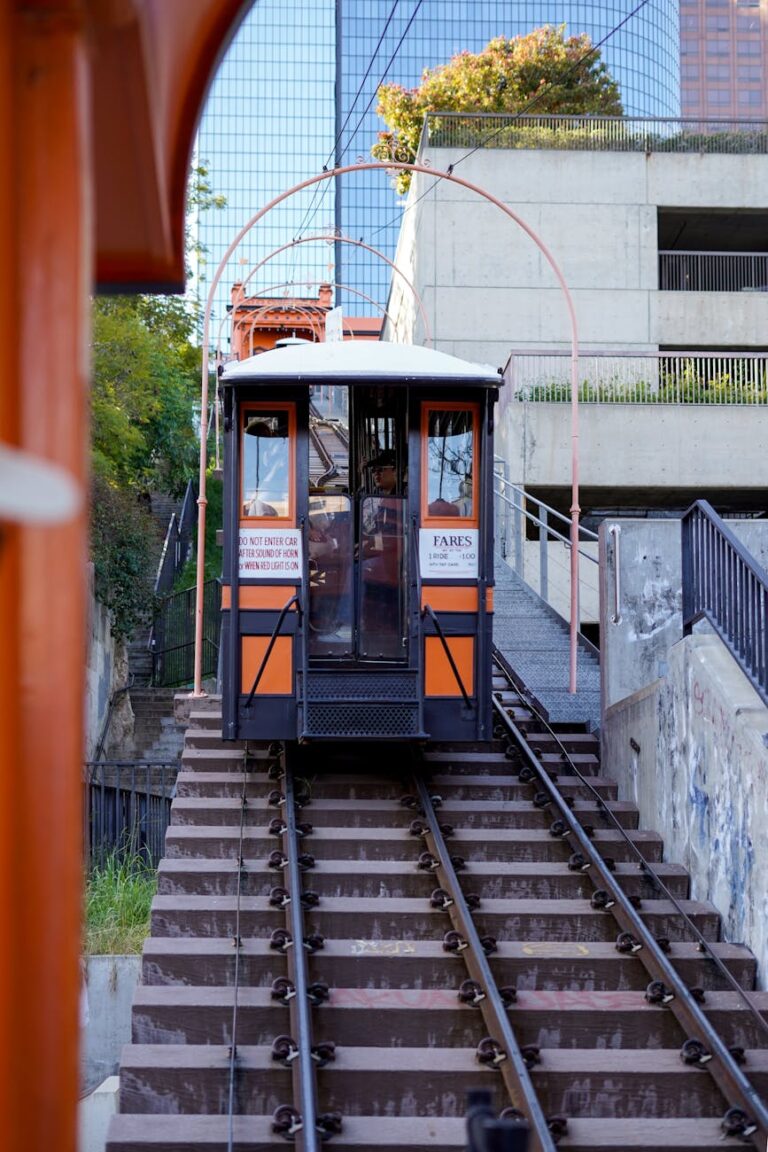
{"points": [[357, 244], [438, 174]]}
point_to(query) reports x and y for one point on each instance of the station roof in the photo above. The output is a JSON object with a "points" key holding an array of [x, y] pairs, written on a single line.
{"points": [[362, 361]]}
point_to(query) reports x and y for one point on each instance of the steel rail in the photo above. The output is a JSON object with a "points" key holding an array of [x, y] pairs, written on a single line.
{"points": [[734, 1085], [237, 944], [325, 457], [513, 1067], [647, 868], [302, 1068]]}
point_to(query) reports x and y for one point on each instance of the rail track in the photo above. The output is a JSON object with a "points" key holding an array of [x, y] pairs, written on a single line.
{"points": [[345, 942], [328, 450]]}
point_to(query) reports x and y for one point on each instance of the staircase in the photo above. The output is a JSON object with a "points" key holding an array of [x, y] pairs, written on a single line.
{"points": [[535, 642], [157, 735]]}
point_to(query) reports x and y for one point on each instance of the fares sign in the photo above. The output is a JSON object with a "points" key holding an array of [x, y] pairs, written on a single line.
{"points": [[447, 552], [270, 554]]}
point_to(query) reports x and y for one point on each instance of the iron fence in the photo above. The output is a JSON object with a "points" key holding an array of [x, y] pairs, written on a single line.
{"points": [[173, 639], [641, 378], [177, 543], [594, 133], [713, 272], [723, 584], [127, 808]]}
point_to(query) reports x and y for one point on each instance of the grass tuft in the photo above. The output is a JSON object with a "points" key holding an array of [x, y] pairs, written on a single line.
{"points": [[118, 898]]}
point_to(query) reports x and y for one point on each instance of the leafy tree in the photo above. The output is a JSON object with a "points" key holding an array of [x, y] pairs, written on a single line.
{"points": [[145, 383], [121, 535], [560, 72]]}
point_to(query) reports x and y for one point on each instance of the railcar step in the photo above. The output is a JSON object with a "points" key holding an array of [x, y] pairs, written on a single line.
{"points": [[485, 814], [132, 1133], [382, 878], [401, 966], [383, 844], [554, 920]]}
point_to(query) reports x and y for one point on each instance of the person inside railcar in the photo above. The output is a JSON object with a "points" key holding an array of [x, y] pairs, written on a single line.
{"points": [[382, 551]]}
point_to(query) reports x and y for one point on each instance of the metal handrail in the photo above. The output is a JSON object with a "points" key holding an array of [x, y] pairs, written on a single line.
{"points": [[621, 376], [541, 523], [428, 611], [295, 599], [685, 270], [615, 531], [724, 584], [499, 460], [594, 133]]}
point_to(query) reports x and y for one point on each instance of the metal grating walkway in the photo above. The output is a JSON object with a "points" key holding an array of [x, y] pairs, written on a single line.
{"points": [[535, 642]]}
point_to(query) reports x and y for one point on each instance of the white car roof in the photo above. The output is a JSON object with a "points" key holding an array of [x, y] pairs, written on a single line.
{"points": [[359, 359]]}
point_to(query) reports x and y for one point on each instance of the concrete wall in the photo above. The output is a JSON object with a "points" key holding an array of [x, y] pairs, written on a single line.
{"points": [[487, 287], [110, 982], [106, 670], [698, 446], [691, 750], [634, 651]]}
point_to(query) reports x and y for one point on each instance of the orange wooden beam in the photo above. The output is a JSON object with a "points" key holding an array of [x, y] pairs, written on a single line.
{"points": [[65, 185], [45, 230], [152, 63]]}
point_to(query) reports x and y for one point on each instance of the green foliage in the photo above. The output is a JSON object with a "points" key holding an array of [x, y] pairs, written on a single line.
{"points": [[214, 519], [687, 384], [145, 379], [121, 535], [118, 899], [559, 72], [145, 383]]}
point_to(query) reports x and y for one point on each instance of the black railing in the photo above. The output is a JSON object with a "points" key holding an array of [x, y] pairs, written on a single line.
{"points": [[177, 543], [723, 584], [173, 637], [127, 808]]}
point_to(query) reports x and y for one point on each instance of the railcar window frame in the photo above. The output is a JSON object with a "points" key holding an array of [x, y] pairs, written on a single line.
{"points": [[427, 408], [269, 408]]}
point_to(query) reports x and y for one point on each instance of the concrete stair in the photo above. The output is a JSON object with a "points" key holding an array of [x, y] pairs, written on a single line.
{"points": [[157, 733], [535, 642]]}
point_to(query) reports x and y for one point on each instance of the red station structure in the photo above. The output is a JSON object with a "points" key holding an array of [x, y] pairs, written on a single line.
{"points": [[99, 101]]}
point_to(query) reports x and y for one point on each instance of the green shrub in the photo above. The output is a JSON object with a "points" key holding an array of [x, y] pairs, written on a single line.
{"points": [[121, 540], [118, 899]]}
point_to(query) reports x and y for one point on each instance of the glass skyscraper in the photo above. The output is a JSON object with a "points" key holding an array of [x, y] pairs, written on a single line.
{"points": [[297, 91]]}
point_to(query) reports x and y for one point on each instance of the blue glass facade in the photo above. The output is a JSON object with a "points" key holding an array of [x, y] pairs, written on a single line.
{"points": [[296, 91]]}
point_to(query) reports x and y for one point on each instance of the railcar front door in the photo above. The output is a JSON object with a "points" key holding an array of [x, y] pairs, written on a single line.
{"points": [[358, 578], [357, 539]]}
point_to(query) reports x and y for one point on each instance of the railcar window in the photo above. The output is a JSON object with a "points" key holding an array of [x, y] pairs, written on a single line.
{"points": [[266, 462], [450, 449]]}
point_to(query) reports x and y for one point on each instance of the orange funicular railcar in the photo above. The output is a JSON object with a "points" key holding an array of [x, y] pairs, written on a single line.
{"points": [[358, 544]]}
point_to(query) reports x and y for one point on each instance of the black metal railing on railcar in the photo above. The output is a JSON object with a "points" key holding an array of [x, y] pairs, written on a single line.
{"points": [[723, 584], [127, 808], [173, 648]]}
